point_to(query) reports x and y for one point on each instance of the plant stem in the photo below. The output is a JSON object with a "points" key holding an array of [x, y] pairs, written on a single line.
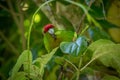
{"points": [[29, 31], [104, 13], [79, 66], [71, 64], [77, 69], [94, 58], [85, 12], [83, 17], [87, 64], [84, 30], [18, 20]]}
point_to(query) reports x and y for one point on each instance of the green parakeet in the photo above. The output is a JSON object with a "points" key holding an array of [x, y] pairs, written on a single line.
{"points": [[52, 39]]}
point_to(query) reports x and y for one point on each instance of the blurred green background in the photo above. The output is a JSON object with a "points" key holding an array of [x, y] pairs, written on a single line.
{"points": [[16, 15]]}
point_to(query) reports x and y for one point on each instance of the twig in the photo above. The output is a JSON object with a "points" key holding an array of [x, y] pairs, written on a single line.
{"points": [[18, 23], [4, 7], [54, 18], [104, 13], [80, 24], [9, 44], [94, 58], [83, 17], [21, 17], [32, 22], [71, 64], [30, 29], [87, 64]]}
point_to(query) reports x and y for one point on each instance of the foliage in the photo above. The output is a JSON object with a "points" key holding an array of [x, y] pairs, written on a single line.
{"points": [[83, 49]]}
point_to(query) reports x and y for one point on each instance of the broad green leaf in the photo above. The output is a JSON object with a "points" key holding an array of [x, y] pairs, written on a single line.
{"points": [[93, 47], [108, 55], [106, 24], [96, 33], [82, 44], [99, 43], [43, 60], [108, 77], [23, 59], [69, 47], [74, 48]]}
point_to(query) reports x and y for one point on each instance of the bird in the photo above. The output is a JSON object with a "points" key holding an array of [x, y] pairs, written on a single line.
{"points": [[53, 37]]}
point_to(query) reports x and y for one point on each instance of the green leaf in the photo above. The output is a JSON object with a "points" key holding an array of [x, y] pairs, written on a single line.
{"points": [[43, 60], [19, 76], [96, 33], [35, 75], [74, 48], [23, 59], [108, 77], [99, 43], [109, 55], [82, 44], [69, 47], [93, 47], [106, 24]]}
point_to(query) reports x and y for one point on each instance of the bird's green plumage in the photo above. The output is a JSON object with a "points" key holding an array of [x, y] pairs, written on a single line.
{"points": [[61, 35]]}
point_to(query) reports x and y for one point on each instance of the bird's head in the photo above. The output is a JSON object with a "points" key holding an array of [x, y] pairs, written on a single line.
{"points": [[49, 28]]}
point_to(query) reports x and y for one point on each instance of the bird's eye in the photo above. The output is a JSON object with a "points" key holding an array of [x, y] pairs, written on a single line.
{"points": [[51, 31]]}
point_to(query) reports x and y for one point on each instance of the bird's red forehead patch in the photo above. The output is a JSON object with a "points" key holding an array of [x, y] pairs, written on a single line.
{"points": [[47, 27]]}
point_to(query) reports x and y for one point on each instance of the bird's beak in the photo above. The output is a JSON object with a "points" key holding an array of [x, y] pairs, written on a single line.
{"points": [[52, 33]]}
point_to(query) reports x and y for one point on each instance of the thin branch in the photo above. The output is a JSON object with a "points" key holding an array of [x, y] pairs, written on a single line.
{"points": [[83, 17], [71, 64], [53, 17], [4, 7], [94, 58], [21, 19], [19, 22], [104, 13], [12, 12], [87, 64], [30, 29], [80, 24], [32, 22], [15, 51]]}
